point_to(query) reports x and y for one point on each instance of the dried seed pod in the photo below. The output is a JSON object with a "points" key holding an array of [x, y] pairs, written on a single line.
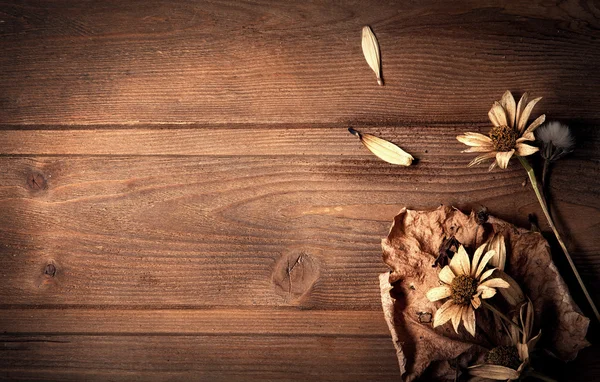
{"points": [[383, 149], [370, 48]]}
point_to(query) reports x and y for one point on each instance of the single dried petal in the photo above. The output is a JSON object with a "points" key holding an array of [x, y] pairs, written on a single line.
{"points": [[508, 103], [520, 107], [474, 139], [468, 319], [476, 258], [486, 274], [526, 137], [486, 292], [443, 314], [370, 47], [535, 124], [446, 275], [383, 149], [439, 293], [495, 283], [460, 263], [497, 244], [526, 113], [497, 115], [513, 294], [496, 372], [482, 158], [486, 258], [479, 149], [456, 316], [525, 150], [502, 158]]}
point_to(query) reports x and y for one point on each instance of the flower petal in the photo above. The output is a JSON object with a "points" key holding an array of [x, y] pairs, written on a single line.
{"points": [[492, 166], [526, 113], [476, 257], [460, 262], [479, 149], [535, 124], [502, 158], [525, 150], [456, 316], [497, 115], [513, 294], [497, 244], [474, 139], [481, 158], [476, 302], [442, 315], [486, 258], [508, 103], [446, 275], [438, 293], [495, 283], [521, 106], [468, 319], [486, 292], [495, 372], [486, 274]]}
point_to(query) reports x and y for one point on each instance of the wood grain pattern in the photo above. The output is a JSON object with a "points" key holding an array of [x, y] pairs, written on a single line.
{"points": [[428, 142], [228, 322], [214, 358], [176, 231], [271, 62]]}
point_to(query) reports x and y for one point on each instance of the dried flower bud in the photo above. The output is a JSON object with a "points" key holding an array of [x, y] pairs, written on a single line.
{"points": [[556, 140]]}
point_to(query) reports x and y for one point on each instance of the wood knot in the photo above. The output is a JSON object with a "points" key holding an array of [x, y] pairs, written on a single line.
{"points": [[294, 275], [36, 181], [50, 270]]}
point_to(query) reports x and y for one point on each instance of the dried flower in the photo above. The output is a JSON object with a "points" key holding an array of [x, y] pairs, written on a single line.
{"points": [[370, 48], [508, 363], [555, 134], [464, 283], [383, 149], [556, 141], [509, 133]]}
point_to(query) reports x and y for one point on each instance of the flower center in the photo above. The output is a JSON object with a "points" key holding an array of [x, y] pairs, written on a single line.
{"points": [[504, 138], [506, 356], [463, 289]]}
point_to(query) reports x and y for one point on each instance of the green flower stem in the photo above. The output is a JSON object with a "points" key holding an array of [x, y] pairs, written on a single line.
{"points": [[501, 315], [544, 206]]}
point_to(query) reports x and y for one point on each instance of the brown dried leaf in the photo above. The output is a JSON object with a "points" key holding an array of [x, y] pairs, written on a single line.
{"points": [[411, 248]]}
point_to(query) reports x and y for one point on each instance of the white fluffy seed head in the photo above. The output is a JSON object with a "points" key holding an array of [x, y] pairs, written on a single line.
{"points": [[557, 134]]}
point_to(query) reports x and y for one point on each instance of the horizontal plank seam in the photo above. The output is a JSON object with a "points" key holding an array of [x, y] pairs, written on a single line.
{"points": [[177, 334]]}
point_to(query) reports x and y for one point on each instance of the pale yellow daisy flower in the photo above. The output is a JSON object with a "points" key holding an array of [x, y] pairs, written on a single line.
{"points": [[464, 283], [509, 133]]}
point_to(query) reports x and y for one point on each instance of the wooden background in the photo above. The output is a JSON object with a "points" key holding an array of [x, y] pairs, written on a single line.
{"points": [[180, 198]]}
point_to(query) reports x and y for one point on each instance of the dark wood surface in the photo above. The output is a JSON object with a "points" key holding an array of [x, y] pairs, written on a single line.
{"points": [[180, 198]]}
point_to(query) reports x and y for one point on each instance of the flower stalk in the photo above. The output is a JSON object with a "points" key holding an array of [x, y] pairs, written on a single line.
{"points": [[501, 315], [544, 207]]}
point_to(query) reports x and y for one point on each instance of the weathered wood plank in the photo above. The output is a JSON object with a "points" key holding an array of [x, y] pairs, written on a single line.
{"points": [[214, 358], [205, 231], [272, 62], [426, 143], [188, 321]]}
